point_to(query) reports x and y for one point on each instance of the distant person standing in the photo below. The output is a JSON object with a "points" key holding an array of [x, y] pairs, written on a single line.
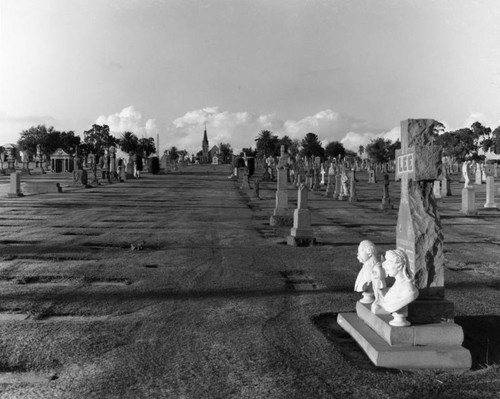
{"points": [[137, 166]]}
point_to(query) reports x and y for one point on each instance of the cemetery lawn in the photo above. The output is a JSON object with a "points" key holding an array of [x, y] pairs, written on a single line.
{"points": [[207, 308]]}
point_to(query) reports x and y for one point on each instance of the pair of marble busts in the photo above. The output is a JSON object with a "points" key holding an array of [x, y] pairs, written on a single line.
{"points": [[371, 282]]}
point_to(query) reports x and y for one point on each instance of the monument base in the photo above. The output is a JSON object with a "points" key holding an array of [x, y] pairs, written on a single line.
{"points": [[300, 238], [423, 311], [15, 195], [343, 197], [469, 201], [281, 220], [435, 345]]}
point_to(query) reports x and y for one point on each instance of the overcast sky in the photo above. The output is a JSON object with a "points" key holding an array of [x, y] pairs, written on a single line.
{"points": [[347, 70]]}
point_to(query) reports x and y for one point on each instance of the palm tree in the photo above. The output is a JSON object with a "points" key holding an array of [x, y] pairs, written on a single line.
{"points": [[361, 150], [266, 144], [129, 143]]}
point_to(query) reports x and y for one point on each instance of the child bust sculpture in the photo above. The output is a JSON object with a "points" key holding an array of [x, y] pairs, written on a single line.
{"points": [[371, 278], [402, 292]]}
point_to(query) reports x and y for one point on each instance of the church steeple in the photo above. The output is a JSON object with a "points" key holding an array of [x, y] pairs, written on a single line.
{"points": [[204, 146]]}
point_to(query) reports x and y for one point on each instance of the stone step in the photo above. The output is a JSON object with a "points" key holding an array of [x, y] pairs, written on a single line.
{"points": [[403, 357], [440, 334]]}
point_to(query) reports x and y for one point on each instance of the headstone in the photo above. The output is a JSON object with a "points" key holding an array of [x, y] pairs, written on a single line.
{"points": [[489, 170], [371, 176], [495, 174], [80, 177], [301, 234], [437, 188], [330, 187], [469, 191], [419, 231], [386, 199], [15, 185], [281, 216], [478, 174], [338, 184], [352, 186], [445, 184], [245, 185], [256, 189], [323, 173], [344, 180]]}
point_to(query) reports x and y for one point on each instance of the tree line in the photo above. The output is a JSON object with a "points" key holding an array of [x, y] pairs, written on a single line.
{"points": [[95, 141]]}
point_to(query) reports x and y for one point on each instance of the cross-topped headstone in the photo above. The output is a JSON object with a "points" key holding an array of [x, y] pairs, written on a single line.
{"points": [[419, 232]]}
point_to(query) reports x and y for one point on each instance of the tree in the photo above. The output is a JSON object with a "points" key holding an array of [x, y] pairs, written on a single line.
{"points": [[249, 151], [266, 144], [97, 139], [147, 146], [391, 149], [225, 152], [291, 146], [460, 144], [172, 153], [361, 150], [378, 150], [334, 149], [48, 139], [129, 143], [311, 146]]}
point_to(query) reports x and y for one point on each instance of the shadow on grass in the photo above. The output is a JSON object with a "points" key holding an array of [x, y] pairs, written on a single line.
{"points": [[482, 339], [344, 343]]}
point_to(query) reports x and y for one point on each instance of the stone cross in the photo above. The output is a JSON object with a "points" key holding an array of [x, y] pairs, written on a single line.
{"points": [[418, 230]]}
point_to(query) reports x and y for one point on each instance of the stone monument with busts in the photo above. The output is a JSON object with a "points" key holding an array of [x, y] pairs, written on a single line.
{"points": [[433, 341]]}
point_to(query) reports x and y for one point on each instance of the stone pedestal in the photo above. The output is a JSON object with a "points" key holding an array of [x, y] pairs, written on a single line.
{"points": [[437, 189], [245, 185], [469, 201], [371, 176], [435, 345], [330, 189], [386, 199], [490, 193], [15, 185], [301, 233], [445, 187]]}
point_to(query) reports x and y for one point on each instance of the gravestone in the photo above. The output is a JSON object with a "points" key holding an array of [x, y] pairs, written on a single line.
{"points": [[352, 186], [419, 231], [330, 181], [478, 174], [445, 184], [371, 176], [15, 185], [437, 188], [338, 183], [469, 191], [429, 342], [344, 181], [386, 199], [323, 173], [256, 190], [490, 187], [301, 234], [281, 216], [495, 174], [245, 185]]}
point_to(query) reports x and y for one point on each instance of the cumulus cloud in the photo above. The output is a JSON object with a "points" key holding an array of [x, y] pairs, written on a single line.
{"points": [[129, 120], [352, 140], [241, 128]]}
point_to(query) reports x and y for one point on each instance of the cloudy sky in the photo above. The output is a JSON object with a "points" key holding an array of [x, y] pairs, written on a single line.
{"points": [[347, 70]]}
